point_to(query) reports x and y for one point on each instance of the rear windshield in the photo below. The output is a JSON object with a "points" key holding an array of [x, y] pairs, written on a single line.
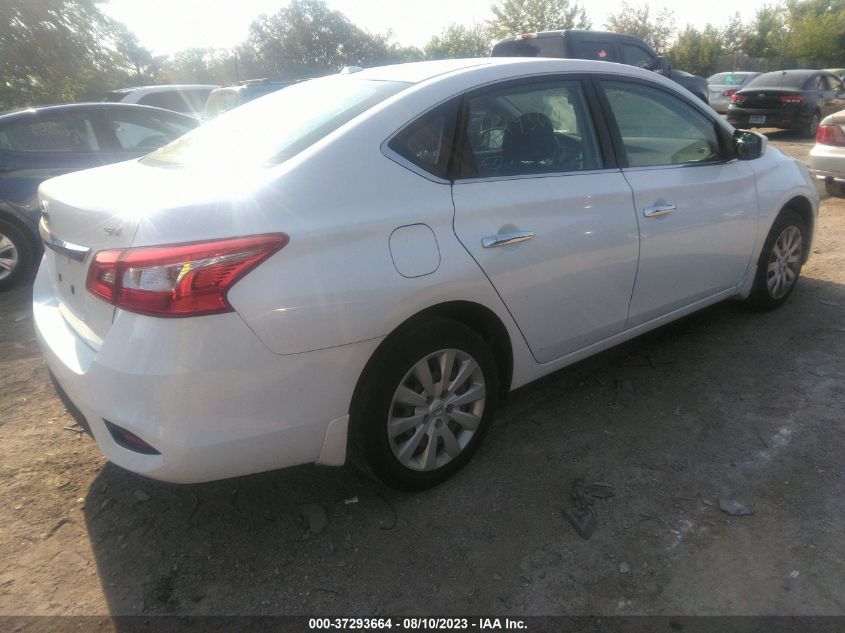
{"points": [[780, 79], [273, 129], [537, 47], [727, 78], [115, 96], [184, 101]]}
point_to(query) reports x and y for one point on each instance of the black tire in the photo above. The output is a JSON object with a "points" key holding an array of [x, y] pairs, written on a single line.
{"points": [[373, 402], [20, 248], [762, 296], [834, 188], [812, 125]]}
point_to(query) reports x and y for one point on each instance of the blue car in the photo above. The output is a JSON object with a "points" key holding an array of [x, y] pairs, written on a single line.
{"points": [[39, 143]]}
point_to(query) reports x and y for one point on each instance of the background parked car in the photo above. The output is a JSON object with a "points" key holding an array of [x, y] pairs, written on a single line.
{"points": [[227, 98], [185, 99], [723, 86], [827, 158], [788, 99], [39, 143], [600, 46]]}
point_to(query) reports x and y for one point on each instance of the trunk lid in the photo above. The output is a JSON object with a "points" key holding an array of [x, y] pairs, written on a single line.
{"points": [[94, 210], [766, 98]]}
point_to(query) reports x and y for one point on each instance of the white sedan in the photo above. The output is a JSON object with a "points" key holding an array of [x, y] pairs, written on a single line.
{"points": [[827, 158], [361, 265]]}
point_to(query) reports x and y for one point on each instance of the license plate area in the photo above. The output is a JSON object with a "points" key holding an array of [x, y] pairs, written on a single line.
{"points": [[68, 280], [757, 118]]}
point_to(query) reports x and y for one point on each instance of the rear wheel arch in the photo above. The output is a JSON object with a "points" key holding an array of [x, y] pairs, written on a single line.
{"points": [[473, 315]]}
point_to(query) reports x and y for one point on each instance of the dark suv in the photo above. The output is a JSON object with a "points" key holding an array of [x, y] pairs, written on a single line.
{"points": [[601, 46]]}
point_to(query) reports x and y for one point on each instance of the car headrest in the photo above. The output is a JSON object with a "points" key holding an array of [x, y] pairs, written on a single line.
{"points": [[529, 139]]}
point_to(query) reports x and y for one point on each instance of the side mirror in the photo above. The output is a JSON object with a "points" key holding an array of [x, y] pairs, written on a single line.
{"points": [[749, 145]]}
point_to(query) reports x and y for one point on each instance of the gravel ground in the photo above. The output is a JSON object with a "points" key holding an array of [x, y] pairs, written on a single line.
{"points": [[726, 404]]}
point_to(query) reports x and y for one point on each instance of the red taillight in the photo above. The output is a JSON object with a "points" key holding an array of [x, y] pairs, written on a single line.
{"points": [[730, 92], [181, 279], [830, 135], [791, 98], [738, 98], [527, 36]]}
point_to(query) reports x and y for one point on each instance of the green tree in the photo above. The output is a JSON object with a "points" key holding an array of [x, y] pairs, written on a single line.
{"points": [[56, 50], [767, 35], [656, 30], [459, 41], [697, 51], [141, 66], [307, 39], [513, 17], [733, 35], [200, 66], [816, 30]]}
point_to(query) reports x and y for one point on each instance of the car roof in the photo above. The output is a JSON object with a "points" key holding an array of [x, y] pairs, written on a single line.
{"points": [[93, 105], [417, 72], [798, 72], [164, 88]]}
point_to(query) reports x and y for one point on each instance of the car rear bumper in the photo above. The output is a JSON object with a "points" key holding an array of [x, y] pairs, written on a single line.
{"points": [[827, 162], [787, 119], [205, 393], [720, 105]]}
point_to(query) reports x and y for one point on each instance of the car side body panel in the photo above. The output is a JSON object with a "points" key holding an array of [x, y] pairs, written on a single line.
{"points": [[270, 384]]}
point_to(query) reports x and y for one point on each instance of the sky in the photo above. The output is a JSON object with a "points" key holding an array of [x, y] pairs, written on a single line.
{"points": [[168, 26]]}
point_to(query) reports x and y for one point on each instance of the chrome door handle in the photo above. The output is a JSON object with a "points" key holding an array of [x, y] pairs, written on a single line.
{"points": [[659, 209], [501, 239]]}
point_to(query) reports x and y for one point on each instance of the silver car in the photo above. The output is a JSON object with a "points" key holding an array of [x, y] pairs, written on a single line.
{"points": [[827, 158], [723, 86]]}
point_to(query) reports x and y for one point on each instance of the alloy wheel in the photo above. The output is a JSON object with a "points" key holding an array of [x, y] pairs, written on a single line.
{"points": [[436, 410], [784, 262], [9, 257]]}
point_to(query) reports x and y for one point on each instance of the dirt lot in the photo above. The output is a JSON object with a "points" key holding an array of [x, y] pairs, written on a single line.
{"points": [[726, 404]]}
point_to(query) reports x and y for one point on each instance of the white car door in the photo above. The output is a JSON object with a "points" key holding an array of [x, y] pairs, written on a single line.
{"points": [[546, 215], [696, 204]]}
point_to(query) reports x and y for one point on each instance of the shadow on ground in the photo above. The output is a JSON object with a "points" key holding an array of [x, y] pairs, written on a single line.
{"points": [[724, 403]]}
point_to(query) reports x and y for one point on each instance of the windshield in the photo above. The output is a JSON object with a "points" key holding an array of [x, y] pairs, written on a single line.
{"points": [[727, 78], [274, 128], [536, 47]]}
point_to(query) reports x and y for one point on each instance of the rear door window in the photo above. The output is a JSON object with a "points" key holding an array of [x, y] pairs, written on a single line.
{"points": [[69, 132], [537, 128], [142, 132], [600, 50]]}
